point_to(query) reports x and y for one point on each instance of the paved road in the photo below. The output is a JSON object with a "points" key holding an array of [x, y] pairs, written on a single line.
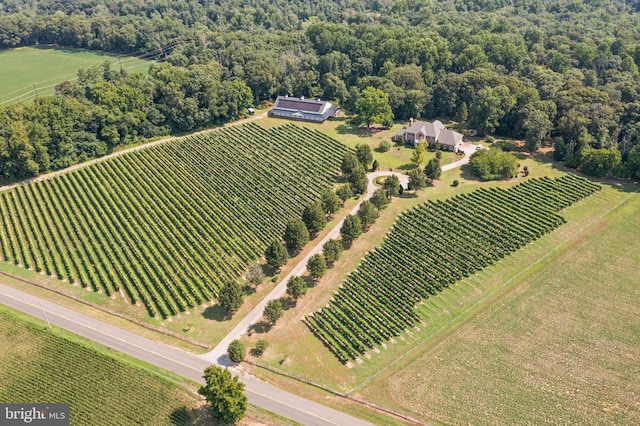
{"points": [[172, 359], [218, 354]]}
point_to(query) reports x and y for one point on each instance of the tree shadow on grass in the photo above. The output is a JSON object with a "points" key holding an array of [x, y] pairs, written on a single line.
{"points": [[215, 313], [197, 416], [288, 303], [261, 327]]}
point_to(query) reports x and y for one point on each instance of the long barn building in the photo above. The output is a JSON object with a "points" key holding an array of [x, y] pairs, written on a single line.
{"points": [[303, 109]]}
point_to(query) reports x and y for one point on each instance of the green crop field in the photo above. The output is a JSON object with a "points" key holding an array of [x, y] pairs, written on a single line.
{"points": [[452, 240], [165, 226], [44, 67], [38, 365]]}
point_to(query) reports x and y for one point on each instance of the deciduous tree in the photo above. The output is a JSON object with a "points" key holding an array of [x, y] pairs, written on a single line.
{"points": [[317, 266], [344, 192], [330, 202], [296, 235], [331, 251], [296, 287], [230, 297], [225, 394], [433, 170], [417, 180], [419, 155], [373, 107], [392, 186], [367, 214], [236, 351], [351, 229], [273, 310], [314, 218], [364, 155], [379, 199], [358, 180], [276, 254]]}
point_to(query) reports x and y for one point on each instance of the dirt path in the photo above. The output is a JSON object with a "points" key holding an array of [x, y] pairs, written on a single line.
{"points": [[124, 151]]}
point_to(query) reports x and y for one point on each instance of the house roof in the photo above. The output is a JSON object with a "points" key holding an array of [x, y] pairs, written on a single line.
{"points": [[433, 130], [449, 137], [427, 128], [301, 108]]}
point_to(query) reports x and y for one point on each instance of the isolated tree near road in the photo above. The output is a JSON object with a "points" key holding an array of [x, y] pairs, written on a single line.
{"points": [[380, 199], [230, 297], [276, 254], [236, 351], [296, 235], [225, 394], [314, 218], [392, 186], [273, 311], [296, 287], [373, 107], [331, 251], [351, 229], [317, 266]]}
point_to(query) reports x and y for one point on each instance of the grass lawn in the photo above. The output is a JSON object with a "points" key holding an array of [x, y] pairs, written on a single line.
{"points": [[42, 365], [45, 66]]}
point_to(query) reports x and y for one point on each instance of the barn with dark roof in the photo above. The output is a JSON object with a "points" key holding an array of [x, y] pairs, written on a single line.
{"points": [[303, 109]]}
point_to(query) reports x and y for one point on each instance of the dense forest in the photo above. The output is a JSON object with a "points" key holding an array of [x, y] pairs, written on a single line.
{"points": [[550, 72]]}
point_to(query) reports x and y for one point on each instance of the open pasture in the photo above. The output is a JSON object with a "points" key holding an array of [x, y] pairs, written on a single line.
{"points": [[44, 67]]}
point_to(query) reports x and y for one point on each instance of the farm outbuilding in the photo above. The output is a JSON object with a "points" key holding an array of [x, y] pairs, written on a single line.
{"points": [[303, 109]]}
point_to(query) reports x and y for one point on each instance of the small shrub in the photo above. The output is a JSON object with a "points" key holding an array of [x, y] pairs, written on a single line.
{"points": [[261, 346], [490, 139], [455, 183], [237, 351], [384, 146]]}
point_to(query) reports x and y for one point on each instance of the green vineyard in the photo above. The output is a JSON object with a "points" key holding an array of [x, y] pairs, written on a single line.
{"points": [[37, 364], [430, 248], [165, 226]]}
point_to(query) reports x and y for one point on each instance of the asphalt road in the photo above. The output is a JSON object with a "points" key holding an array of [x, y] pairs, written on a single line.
{"points": [[180, 362]]}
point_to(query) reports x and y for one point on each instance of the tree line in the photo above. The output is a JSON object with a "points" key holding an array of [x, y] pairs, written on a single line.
{"points": [[105, 109], [549, 72]]}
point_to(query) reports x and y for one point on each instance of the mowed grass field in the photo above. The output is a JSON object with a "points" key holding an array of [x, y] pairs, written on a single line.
{"points": [[45, 67]]}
